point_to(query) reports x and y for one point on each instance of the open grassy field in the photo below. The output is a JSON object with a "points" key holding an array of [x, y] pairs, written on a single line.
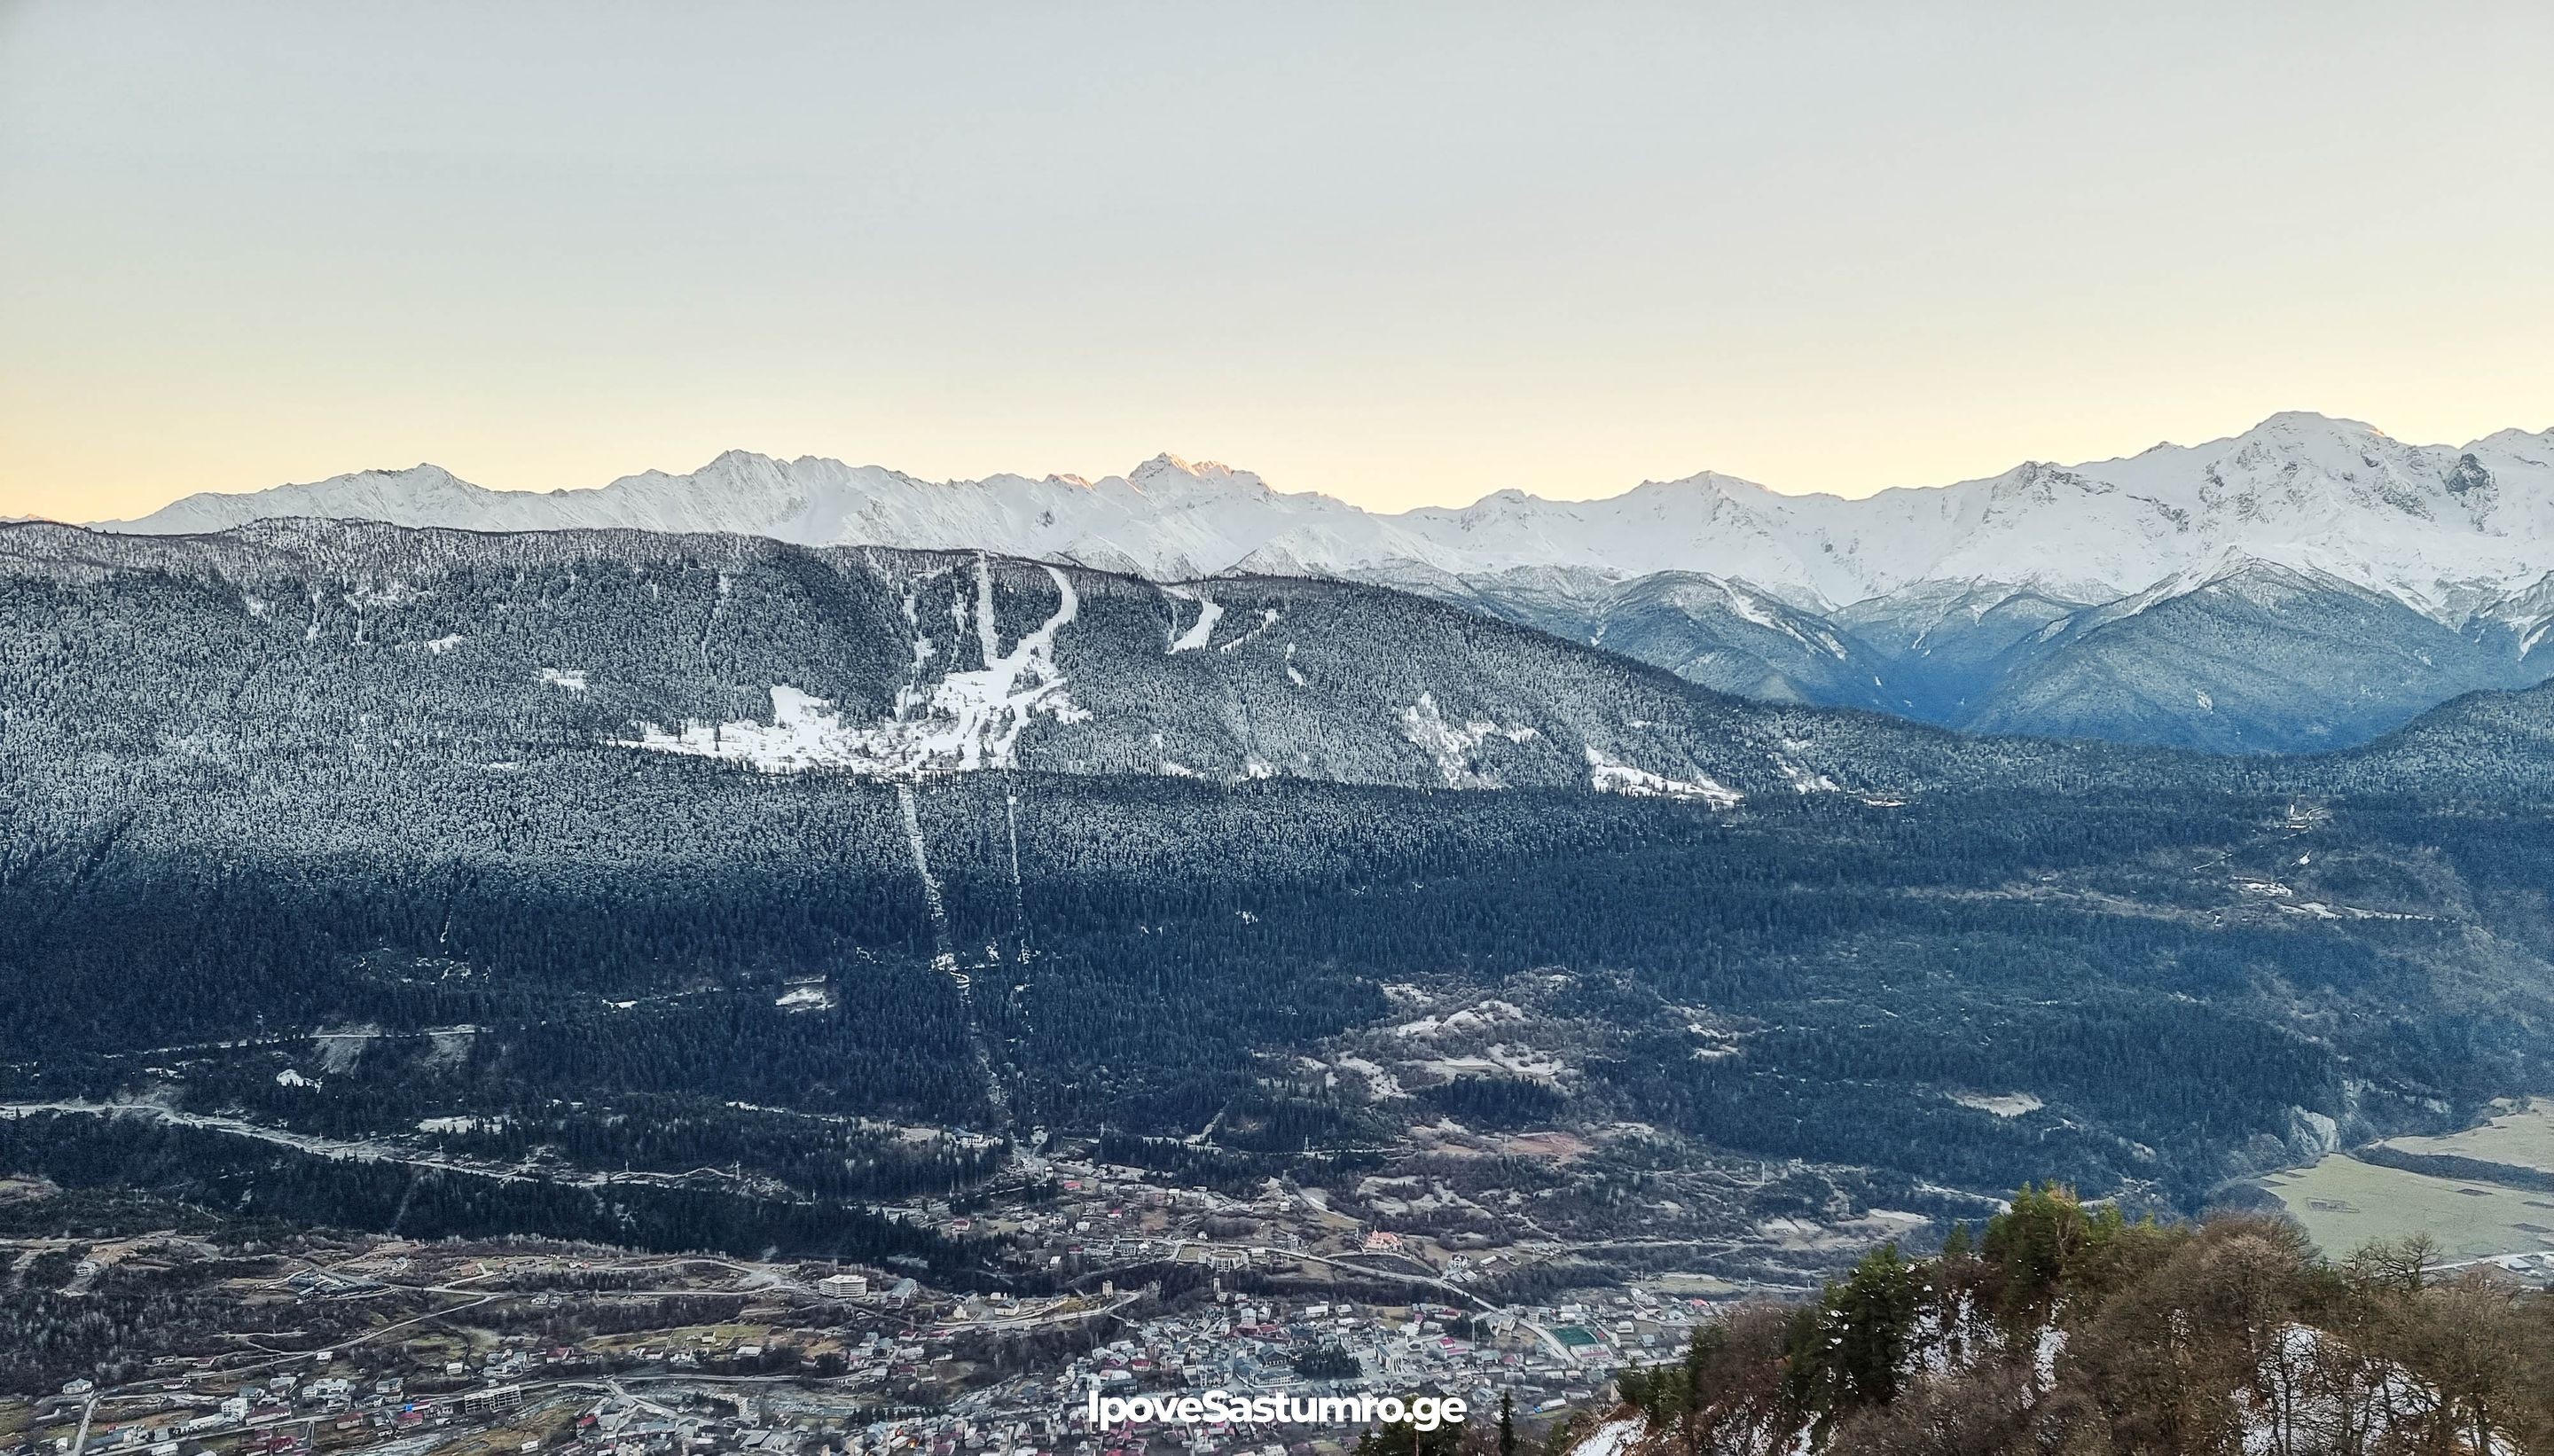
{"points": [[1710, 1285], [2346, 1203], [2522, 1138]]}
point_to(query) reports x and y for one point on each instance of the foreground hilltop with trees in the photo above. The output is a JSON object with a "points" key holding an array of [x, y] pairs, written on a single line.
{"points": [[2066, 1329]]}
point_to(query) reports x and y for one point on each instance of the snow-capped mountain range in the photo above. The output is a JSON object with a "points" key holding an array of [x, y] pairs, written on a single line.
{"points": [[2308, 584], [2438, 527]]}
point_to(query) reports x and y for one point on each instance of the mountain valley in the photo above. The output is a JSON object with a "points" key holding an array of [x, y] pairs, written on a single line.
{"points": [[997, 845], [853, 913]]}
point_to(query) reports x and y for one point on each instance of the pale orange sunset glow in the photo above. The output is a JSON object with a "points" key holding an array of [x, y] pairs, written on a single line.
{"points": [[1404, 255]]}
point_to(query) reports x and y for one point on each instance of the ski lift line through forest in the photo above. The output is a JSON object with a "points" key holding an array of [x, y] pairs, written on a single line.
{"points": [[945, 957], [1019, 897]]}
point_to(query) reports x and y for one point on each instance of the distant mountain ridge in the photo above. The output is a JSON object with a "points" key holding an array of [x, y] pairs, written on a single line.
{"points": [[2250, 657], [2308, 584], [2437, 526]]}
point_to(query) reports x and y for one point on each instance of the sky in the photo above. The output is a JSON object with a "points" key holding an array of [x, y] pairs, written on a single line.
{"points": [[1404, 253]]}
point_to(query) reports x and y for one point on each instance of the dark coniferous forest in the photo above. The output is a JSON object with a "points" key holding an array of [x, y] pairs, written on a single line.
{"points": [[495, 850]]}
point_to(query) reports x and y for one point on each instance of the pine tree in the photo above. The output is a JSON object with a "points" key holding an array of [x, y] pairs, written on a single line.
{"points": [[1872, 1316], [1698, 1350], [1955, 1244]]}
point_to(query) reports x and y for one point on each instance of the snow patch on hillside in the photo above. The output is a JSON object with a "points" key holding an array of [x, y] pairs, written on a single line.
{"points": [[814, 996], [1202, 631], [1488, 1014], [1613, 1438], [1609, 775], [2002, 1104], [1454, 746], [2311, 1393], [1380, 1084], [1803, 780], [966, 722]]}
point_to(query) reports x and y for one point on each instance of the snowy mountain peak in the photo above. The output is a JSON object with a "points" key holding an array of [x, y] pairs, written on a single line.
{"points": [[1509, 501], [2309, 422], [1712, 482], [422, 476], [1170, 471], [401, 495], [2041, 482]]}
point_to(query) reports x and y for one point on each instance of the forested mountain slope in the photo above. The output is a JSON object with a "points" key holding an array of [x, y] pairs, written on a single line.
{"points": [[2248, 657], [2251, 658], [1720, 633], [2497, 746], [631, 854], [2145, 992], [343, 640]]}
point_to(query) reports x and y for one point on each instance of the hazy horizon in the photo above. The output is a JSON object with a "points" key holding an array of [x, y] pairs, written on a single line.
{"points": [[1405, 258]]}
